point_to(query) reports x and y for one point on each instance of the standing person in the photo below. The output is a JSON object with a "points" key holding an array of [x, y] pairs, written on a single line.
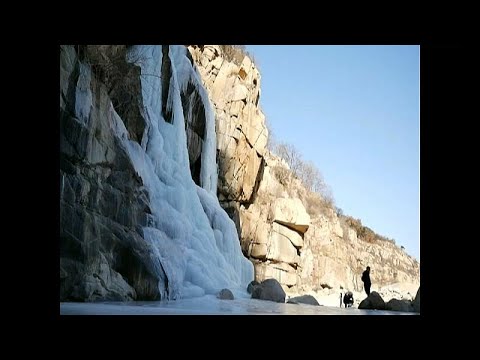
{"points": [[366, 280]]}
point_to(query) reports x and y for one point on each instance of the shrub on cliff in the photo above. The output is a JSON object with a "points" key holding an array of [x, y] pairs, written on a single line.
{"points": [[236, 53], [307, 172]]}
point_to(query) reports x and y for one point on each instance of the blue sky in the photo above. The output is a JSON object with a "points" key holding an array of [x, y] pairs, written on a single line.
{"points": [[354, 112]]}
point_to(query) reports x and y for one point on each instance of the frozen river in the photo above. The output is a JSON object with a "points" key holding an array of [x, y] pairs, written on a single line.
{"points": [[210, 305]]}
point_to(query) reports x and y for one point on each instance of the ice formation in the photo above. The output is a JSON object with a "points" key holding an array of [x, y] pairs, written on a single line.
{"points": [[192, 238]]}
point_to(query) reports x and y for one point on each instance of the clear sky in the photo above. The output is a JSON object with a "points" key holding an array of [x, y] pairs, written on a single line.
{"points": [[354, 112]]}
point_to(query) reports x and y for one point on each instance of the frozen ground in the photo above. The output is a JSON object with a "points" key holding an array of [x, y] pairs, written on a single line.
{"points": [[210, 305]]}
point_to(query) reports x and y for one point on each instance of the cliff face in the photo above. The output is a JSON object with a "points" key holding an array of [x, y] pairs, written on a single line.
{"points": [[284, 229], [144, 131], [139, 217], [103, 201], [240, 126]]}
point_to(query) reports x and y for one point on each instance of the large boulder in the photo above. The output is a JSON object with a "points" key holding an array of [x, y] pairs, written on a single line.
{"points": [[373, 301], [399, 305], [304, 299], [269, 289]]}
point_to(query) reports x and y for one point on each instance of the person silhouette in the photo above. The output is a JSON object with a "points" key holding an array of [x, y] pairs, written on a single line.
{"points": [[366, 280], [348, 299]]}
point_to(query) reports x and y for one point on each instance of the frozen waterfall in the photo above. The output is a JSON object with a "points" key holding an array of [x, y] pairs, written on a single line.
{"points": [[192, 238]]}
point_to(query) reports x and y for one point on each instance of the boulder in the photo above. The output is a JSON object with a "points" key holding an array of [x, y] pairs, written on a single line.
{"points": [[225, 294], [304, 299], [399, 305], [373, 301], [269, 289]]}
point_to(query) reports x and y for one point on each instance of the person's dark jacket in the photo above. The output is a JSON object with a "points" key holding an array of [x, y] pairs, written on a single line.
{"points": [[366, 278], [348, 298]]}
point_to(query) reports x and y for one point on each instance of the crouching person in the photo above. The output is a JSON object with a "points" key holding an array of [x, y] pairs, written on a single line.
{"points": [[348, 299]]}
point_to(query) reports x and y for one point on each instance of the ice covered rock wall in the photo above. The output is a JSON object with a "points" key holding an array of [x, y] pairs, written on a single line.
{"points": [[139, 216]]}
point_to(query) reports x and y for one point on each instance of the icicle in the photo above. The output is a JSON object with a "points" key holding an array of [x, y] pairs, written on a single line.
{"points": [[83, 94], [193, 241]]}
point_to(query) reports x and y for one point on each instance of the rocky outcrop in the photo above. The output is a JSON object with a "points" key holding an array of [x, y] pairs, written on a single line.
{"points": [[290, 213], [240, 125], [103, 203], [373, 302], [289, 233], [269, 289], [304, 299]]}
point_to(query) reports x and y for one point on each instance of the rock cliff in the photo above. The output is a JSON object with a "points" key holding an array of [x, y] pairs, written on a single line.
{"points": [[285, 230]]}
